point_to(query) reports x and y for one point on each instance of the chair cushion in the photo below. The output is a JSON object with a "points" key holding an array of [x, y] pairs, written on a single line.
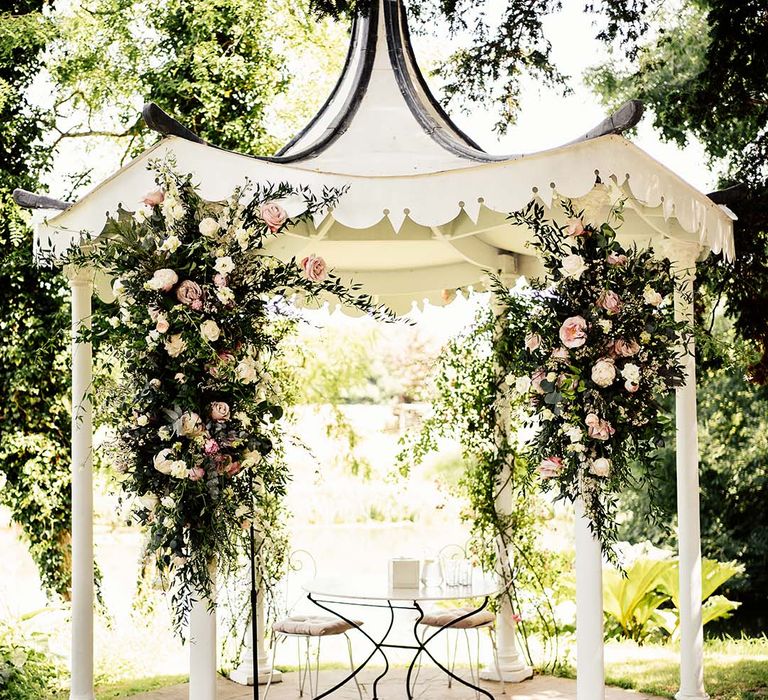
{"points": [[313, 625], [440, 618]]}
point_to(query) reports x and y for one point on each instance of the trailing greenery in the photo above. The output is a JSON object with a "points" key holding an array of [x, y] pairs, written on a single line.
{"points": [[34, 321], [26, 669]]}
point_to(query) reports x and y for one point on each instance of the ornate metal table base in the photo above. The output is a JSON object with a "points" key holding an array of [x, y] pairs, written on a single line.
{"points": [[381, 645]]}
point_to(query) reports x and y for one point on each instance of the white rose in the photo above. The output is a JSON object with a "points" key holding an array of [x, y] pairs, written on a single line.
{"points": [[247, 371], [651, 296], [604, 372], [175, 345], [573, 266], [171, 244], [163, 280], [142, 420], [250, 459], [180, 378], [546, 414], [523, 385], [631, 373], [600, 467], [179, 469], [225, 295], [210, 330], [208, 227], [573, 432], [148, 501], [114, 321], [168, 502], [224, 265], [173, 209], [161, 461]]}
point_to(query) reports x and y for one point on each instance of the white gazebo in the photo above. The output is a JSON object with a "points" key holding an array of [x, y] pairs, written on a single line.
{"points": [[426, 211]]}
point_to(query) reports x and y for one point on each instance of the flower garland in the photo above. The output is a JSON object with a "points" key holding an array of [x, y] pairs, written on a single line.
{"points": [[592, 350], [202, 316]]}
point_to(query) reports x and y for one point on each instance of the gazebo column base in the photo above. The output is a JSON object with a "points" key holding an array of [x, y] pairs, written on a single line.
{"points": [[695, 696], [243, 675], [508, 676]]}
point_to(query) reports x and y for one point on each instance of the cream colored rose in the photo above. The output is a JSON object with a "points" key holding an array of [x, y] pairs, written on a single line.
{"points": [[220, 411], [163, 280], [175, 345], [651, 296], [148, 501], [179, 469], [573, 266], [161, 323], [171, 244], [224, 265], [162, 461], [247, 371], [600, 467], [189, 424], [208, 227], [210, 330], [604, 372]]}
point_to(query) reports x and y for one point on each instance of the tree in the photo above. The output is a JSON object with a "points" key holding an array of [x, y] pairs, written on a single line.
{"points": [[34, 415]]}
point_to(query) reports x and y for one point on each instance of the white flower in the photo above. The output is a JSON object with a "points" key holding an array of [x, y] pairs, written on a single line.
{"points": [[573, 266], [551, 377], [18, 657], [162, 461], [651, 296], [546, 414], [142, 420], [154, 383], [173, 209], [168, 523], [171, 244], [247, 371], [604, 372], [114, 321], [244, 419], [631, 373], [523, 385], [224, 265], [188, 423], [225, 295], [208, 227], [250, 459], [242, 511], [210, 330], [242, 237], [142, 214], [148, 501], [645, 337], [600, 467], [3, 480], [510, 379], [605, 324], [573, 432], [164, 433], [162, 280], [175, 345], [179, 469], [180, 378]]}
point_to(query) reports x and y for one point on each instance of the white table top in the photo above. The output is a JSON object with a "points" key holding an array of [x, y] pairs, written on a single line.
{"points": [[353, 588]]}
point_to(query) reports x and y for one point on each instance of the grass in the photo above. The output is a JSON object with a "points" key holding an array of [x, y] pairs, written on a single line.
{"points": [[127, 687], [734, 669]]}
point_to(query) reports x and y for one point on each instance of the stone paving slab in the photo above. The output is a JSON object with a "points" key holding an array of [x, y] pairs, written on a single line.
{"points": [[430, 687]]}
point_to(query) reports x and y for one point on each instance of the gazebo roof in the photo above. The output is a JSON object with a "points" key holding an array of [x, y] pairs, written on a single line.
{"points": [[426, 208]]}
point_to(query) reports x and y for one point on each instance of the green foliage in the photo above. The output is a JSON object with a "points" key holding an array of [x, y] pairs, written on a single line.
{"points": [[26, 670], [642, 603], [34, 417]]}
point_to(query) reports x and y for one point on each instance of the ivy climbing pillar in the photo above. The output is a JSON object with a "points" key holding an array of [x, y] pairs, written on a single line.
{"points": [[81, 688], [683, 256]]}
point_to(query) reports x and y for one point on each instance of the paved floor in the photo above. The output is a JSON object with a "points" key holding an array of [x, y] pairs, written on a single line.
{"points": [[430, 687]]}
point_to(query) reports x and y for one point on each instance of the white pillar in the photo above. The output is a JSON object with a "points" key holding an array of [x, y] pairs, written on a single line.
{"points": [[243, 674], [590, 665], [202, 652], [81, 688], [683, 256]]}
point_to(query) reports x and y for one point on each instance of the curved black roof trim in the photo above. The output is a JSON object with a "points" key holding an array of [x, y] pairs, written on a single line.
{"points": [[733, 195], [164, 124], [30, 200], [363, 41]]}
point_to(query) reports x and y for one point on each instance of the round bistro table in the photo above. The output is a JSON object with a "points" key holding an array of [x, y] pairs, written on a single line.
{"points": [[326, 592]]}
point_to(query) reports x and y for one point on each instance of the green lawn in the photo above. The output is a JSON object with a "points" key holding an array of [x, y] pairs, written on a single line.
{"points": [[734, 669]]}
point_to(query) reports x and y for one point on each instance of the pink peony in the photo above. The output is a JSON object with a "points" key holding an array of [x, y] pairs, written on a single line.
{"points": [[315, 268], [188, 292], [609, 301], [604, 372], [597, 428], [220, 411], [625, 348], [273, 215], [152, 199], [573, 332], [211, 447], [196, 473], [575, 227], [532, 341], [550, 467], [616, 259]]}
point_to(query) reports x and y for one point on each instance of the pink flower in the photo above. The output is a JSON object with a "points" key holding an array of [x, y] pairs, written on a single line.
{"points": [[573, 332], [220, 411], [233, 468], [610, 302], [550, 467], [196, 473], [211, 447], [616, 259], [315, 268], [560, 353], [517, 619], [273, 215], [631, 387], [625, 348], [152, 199], [532, 341], [536, 379], [196, 305], [220, 280], [575, 227], [162, 324], [188, 292], [597, 428]]}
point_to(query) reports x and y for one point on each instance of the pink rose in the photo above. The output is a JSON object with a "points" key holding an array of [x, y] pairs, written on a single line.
{"points": [[532, 341], [315, 268], [196, 473], [211, 447], [610, 302], [188, 292], [536, 379], [560, 353], [550, 467], [625, 348], [152, 199], [616, 259], [233, 468], [219, 411], [575, 227], [273, 215], [220, 280], [573, 332], [162, 325], [597, 428]]}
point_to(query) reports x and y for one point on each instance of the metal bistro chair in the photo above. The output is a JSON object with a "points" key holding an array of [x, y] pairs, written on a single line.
{"points": [[307, 627], [440, 617]]}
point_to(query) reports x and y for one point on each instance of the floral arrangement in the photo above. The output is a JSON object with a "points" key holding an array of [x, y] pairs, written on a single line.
{"points": [[590, 352], [202, 315]]}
